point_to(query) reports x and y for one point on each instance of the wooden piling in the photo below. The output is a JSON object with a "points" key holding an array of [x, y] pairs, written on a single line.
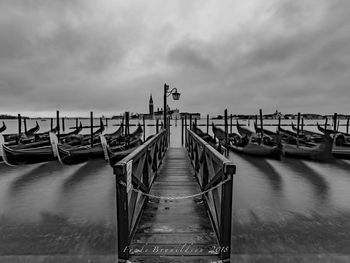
{"points": [[279, 123], [347, 126], [195, 123], [231, 116], [325, 124], [335, 116], [19, 125], [51, 124], [207, 123], [190, 121], [58, 123], [76, 123], [106, 122], [298, 125], [144, 128], [302, 125], [157, 125], [261, 123], [63, 124], [226, 132], [92, 128], [25, 125]]}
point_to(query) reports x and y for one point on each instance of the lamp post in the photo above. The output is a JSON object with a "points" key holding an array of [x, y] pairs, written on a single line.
{"points": [[176, 96]]}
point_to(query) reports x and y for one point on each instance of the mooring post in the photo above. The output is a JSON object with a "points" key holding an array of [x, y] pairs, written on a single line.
{"points": [[279, 124], [261, 123], [58, 123], [231, 116], [63, 124], [325, 124], [207, 123], [127, 127], [190, 121], [195, 123], [92, 128], [25, 125], [76, 123], [347, 126], [106, 122], [298, 125], [302, 125], [226, 133], [335, 116], [51, 124], [185, 128], [144, 128], [182, 130], [157, 125], [19, 125]]}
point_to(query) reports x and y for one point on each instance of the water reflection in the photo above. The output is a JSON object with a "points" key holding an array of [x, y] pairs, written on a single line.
{"points": [[318, 183]]}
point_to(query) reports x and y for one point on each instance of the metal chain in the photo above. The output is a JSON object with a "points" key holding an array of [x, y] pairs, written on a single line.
{"points": [[182, 197]]}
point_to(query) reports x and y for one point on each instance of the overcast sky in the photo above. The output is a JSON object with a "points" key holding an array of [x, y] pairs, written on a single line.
{"points": [[108, 56]]}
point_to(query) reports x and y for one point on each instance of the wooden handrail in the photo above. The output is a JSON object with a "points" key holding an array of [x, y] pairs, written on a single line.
{"points": [[137, 170], [211, 168]]}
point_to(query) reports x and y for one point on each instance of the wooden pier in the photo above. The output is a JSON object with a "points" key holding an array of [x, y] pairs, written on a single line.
{"points": [[174, 202]]}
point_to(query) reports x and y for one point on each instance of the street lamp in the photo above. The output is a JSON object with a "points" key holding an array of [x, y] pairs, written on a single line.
{"points": [[167, 93]]}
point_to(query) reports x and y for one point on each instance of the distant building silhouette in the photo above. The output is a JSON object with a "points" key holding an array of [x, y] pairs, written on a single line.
{"points": [[151, 109]]}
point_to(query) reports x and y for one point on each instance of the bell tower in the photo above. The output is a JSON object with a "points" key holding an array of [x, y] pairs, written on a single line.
{"points": [[151, 110]]}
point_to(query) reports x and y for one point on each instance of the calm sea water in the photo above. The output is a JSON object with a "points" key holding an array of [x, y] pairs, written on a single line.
{"points": [[49, 208]]}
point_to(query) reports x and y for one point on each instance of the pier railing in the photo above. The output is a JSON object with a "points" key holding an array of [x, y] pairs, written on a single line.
{"points": [[215, 172], [136, 171]]}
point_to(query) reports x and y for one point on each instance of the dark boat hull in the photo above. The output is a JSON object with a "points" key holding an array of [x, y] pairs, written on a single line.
{"points": [[28, 156]]}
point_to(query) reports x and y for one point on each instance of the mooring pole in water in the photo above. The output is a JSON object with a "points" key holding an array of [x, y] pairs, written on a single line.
{"points": [[157, 125], [25, 125], [226, 132], [298, 125], [279, 123], [182, 130], [58, 123], [302, 125], [261, 123], [325, 124], [63, 124], [207, 123], [347, 126], [76, 123], [190, 121], [19, 125], [106, 122], [231, 116], [144, 128], [51, 124], [195, 123], [91, 128], [256, 120], [335, 116]]}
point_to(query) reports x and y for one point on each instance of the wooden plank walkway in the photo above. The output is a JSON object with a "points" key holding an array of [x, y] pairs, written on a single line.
{"points": [[174, 228]]}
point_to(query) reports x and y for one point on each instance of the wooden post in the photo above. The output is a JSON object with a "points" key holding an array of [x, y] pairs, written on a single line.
{"points": [[261, 123], [76, 123], [91, 128], [157, 125], [338, 123], [190, 121], [279, 123], [226, 212], [226, 132], [207, 123], [19, 125], [182, 130], [325, 124], [58, 123], [186, 128], [51, 124], [25, 125], [63, 124], [302, 125], [231, 116], [195, 123], [335, 116], [298, 125], [106, 122], [127, 128], [144, 128], [347, 126], [122, 211]]}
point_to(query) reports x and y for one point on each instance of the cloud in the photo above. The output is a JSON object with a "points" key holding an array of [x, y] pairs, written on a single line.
{"points": [[110, 55]]}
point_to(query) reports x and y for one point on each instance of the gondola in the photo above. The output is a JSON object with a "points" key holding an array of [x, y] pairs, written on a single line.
{"points": [[3, 127], [209, 139], [250, 145], [15, 138], [34, 152], [99, 149]]}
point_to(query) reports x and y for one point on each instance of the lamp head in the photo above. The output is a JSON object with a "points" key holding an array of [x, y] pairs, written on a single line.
{"points": [[176, 95]]}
